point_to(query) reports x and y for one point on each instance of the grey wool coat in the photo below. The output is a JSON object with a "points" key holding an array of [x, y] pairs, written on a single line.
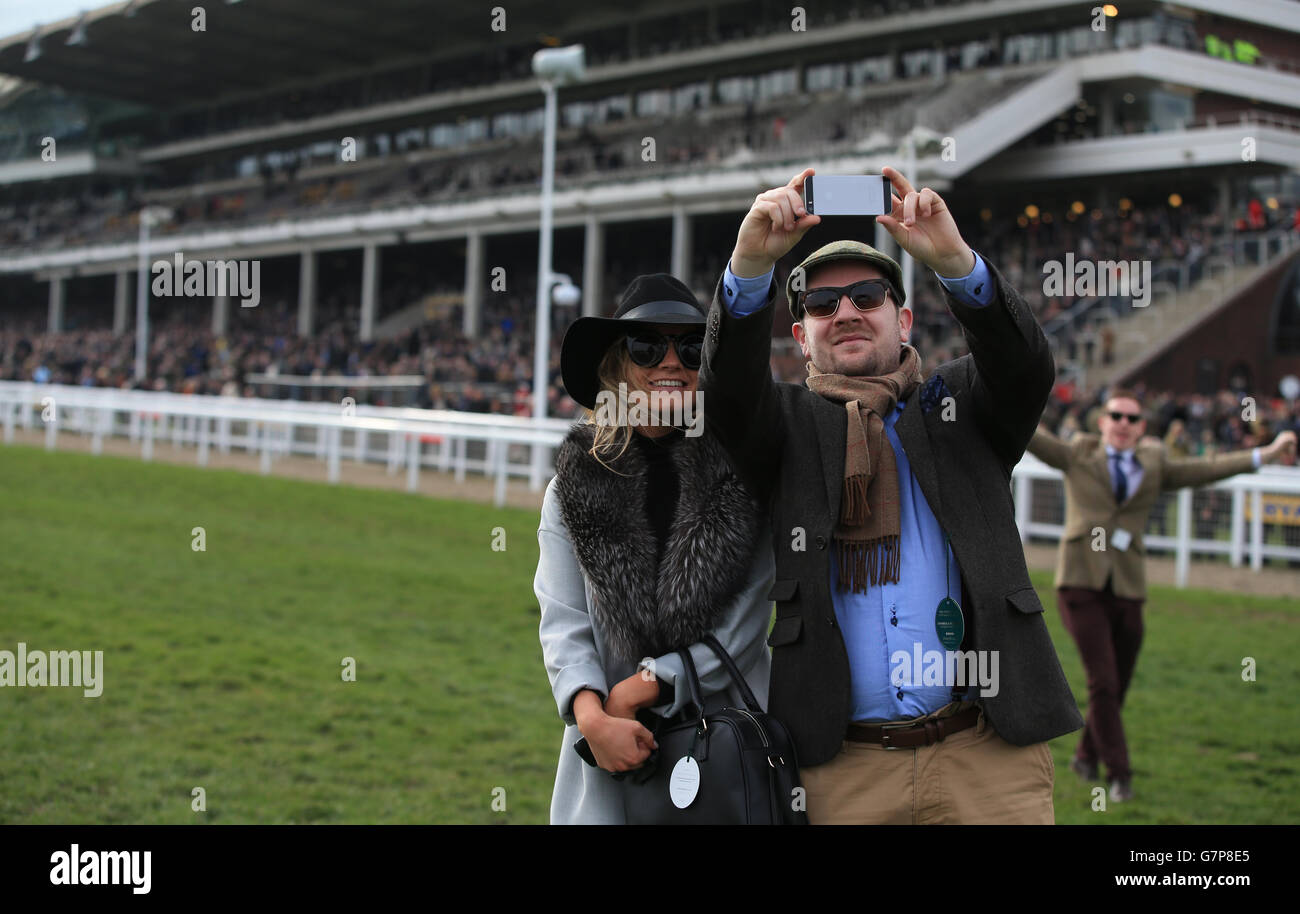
{"points": [[605, 606], [787, 444]]}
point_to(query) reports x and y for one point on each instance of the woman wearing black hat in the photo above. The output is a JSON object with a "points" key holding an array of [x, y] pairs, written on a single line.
{"points": [[648, 543]]}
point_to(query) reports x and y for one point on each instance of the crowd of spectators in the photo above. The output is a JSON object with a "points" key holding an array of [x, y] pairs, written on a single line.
{"points": [[653, 36], [493, 372], [489, 374], [411, 166]]}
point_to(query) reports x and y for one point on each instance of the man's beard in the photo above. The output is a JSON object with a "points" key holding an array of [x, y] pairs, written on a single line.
{"points": [[877, 364]]}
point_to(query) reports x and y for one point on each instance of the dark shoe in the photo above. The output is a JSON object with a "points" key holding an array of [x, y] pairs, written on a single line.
{"points": [[1085, 770], [1121, 791]]}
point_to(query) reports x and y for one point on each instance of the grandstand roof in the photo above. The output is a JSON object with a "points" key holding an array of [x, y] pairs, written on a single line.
{"points": [[146, 51]]}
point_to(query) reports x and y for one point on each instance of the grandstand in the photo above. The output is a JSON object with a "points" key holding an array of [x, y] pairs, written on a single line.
{"points": [[382, 163]]}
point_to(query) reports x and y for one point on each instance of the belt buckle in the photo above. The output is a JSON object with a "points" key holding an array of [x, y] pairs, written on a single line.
{"points": [[894, 726]]}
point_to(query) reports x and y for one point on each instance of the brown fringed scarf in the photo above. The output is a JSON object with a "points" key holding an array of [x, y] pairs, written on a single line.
{"points": [[866, 536]]}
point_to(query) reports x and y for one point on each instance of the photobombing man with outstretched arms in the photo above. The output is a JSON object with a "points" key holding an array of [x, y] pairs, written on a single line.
{"points": [[910, 659], [1112, 481]]}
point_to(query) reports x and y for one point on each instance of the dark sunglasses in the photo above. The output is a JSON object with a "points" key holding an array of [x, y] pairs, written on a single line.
{"points": [[648, 348], [1133, 418], [867, 295]]}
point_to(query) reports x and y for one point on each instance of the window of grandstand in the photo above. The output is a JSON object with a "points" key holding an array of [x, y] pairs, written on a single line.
{"points": [[826, 77], [778, 83]]}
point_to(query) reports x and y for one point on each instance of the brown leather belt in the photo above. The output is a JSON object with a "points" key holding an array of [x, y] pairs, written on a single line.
{"points": [[914, 734]]}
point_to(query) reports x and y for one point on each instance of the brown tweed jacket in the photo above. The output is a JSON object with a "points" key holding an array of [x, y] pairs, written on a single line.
{"points": [[1090, 506]]}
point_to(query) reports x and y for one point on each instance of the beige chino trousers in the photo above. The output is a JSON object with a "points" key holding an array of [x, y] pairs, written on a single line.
{"points": [[974, 777]]}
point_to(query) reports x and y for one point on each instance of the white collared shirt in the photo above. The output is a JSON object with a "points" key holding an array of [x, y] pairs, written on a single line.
{"points": [[1129, 465]]}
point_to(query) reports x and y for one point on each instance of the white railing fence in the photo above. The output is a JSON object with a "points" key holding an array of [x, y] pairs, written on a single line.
{"points": [[1228, 518], [401, 437]]}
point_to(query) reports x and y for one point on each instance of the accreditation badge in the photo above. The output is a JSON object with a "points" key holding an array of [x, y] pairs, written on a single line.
{"points": [[949, 623]]}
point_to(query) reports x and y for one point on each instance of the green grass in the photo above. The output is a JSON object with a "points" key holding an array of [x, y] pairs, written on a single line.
{"points": [[222, 668], [1205, 746]]}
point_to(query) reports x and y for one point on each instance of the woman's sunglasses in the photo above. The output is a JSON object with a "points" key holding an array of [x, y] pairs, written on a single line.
{"points": [[867, 295], [648, 348]]}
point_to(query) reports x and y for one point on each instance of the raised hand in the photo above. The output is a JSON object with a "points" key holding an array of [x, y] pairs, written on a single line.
{"points": [[773, 225], [923, 226], [1283, 446]]}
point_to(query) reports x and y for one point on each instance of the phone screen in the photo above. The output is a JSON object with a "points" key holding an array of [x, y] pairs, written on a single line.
{"points": [[846, 195]]}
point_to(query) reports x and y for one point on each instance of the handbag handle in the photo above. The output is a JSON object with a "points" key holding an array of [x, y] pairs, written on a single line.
{"points": [[746, 695], [692, 681], [694, 690]]}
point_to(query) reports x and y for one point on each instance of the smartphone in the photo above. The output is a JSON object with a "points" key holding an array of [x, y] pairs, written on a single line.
{"points": [[847, 195]]}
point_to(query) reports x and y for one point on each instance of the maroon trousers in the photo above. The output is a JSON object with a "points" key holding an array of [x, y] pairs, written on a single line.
{"points": [[1108, 631]]}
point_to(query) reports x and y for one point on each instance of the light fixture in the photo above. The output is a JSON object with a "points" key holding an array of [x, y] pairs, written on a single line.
{"points": [[563, 292], [78, 36], [560, 65], [33, 46]]}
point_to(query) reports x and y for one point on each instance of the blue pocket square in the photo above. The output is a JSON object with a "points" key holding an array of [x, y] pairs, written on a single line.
{"points": [[933, 393]]}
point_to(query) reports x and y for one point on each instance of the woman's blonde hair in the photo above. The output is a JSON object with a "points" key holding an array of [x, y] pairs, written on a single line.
{"points": [[611, 440]]}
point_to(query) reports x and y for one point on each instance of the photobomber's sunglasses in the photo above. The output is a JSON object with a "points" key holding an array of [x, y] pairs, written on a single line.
{"points": [[648, 348], [866, 295], [1133, 418]]}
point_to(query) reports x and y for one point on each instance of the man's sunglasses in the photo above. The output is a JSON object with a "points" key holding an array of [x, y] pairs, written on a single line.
{"points": [[1133, 418], [867, 295], [648, 348]]}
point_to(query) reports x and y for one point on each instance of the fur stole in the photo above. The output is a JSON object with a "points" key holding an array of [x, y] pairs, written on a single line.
{"points": [[646, 611]]}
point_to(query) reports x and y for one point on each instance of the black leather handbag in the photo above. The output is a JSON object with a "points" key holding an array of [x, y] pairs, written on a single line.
{"points": [[734, 767]]}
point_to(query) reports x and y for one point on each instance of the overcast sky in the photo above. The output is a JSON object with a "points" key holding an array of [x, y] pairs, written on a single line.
{"points": [[22, 15]]}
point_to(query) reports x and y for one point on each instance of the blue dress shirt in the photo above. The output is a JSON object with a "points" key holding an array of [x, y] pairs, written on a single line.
{"points": [[891, 620]]}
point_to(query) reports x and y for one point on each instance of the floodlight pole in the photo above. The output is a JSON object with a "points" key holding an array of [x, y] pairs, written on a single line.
{"points": [[542, 356], [142, 299], [552, 66]]}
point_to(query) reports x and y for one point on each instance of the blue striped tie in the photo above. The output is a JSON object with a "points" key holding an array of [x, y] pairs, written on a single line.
{"points": [[1121, 480]]}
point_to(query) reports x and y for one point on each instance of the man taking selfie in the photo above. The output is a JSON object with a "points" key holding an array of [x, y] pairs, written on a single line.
{"points": [[891, 512]]}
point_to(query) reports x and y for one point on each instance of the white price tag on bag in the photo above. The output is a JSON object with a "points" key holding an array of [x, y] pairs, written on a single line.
{"points": [[1121, 538], [684, 783]]}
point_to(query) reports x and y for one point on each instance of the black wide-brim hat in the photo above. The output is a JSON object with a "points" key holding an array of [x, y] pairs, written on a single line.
{"points": [[655, 298]]}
